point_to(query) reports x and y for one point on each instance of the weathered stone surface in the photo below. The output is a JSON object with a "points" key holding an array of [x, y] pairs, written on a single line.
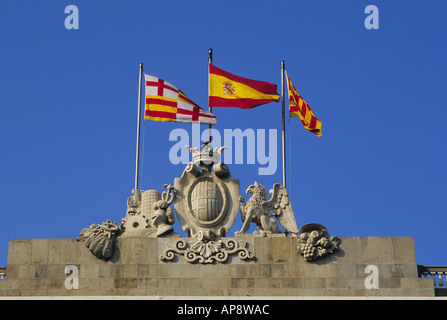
{"points": [[36, 267]]}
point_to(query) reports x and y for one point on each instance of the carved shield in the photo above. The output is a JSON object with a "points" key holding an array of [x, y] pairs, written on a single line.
{"points": [[206, 203]]}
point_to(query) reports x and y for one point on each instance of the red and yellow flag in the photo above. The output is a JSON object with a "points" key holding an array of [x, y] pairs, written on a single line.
{"points": [[164, 102], [229, 90], [299, 108]]}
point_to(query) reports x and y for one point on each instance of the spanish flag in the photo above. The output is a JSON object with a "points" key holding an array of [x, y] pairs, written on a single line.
{"points": [[299, 108], [229, 90], [164, 102]]}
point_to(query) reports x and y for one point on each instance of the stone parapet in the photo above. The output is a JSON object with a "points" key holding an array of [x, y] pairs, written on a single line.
{"points": [[38, 267]]}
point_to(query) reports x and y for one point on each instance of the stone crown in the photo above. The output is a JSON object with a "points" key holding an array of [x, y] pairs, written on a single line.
{"points": [[208, 155]]}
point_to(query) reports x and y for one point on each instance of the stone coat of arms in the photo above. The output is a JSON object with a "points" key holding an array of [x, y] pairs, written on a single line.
{"points": [[206, 196]]}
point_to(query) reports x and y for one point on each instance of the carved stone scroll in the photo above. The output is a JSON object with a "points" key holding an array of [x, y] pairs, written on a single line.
{"points": [[206, 252]]}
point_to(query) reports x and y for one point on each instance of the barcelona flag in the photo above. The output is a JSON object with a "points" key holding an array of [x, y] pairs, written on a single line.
{"points": [[165, 102]]}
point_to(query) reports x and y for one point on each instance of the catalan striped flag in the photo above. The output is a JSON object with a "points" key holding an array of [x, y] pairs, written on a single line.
{"points": [[299, 108], [229, 90], [165, 102]]}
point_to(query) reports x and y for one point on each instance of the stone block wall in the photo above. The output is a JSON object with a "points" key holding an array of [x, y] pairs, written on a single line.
{"points": [[36, 267]]}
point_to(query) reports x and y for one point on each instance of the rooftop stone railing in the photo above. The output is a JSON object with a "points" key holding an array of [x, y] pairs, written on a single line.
{"points": [[439, 276], [2, 272]]}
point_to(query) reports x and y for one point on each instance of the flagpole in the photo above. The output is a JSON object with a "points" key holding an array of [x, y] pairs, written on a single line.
{"points": [[283, 126], [210, 61], [137, 160]]}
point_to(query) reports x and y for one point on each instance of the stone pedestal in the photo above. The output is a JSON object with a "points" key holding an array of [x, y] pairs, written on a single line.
{"points": [[36, 267]]}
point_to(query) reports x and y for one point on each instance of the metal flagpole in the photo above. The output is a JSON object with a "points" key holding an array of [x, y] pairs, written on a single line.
{"points": [[137, 160], [283, 125], [210, 61]]}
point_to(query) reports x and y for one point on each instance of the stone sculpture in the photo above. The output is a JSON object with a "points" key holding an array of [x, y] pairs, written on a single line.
{"points": [[142, 209], [137, 222], [206, 200], [314, 242], [163, 216], [261, 210], [206, 204], [134, 203], [149, 214], [100, 239]]}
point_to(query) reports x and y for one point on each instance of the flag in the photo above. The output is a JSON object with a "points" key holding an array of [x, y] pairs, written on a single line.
{"points": [[165, 102], [299, 108], [229, 90]]}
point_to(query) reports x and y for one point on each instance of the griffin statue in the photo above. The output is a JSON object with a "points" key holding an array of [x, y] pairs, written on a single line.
{"points": [[260, 210]]}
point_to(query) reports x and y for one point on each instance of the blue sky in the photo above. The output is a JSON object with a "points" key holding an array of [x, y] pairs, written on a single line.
{"points": [[68, 103]]}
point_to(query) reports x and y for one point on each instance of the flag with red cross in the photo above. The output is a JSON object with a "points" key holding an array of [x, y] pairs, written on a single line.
{"points": [[165, 102]]}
